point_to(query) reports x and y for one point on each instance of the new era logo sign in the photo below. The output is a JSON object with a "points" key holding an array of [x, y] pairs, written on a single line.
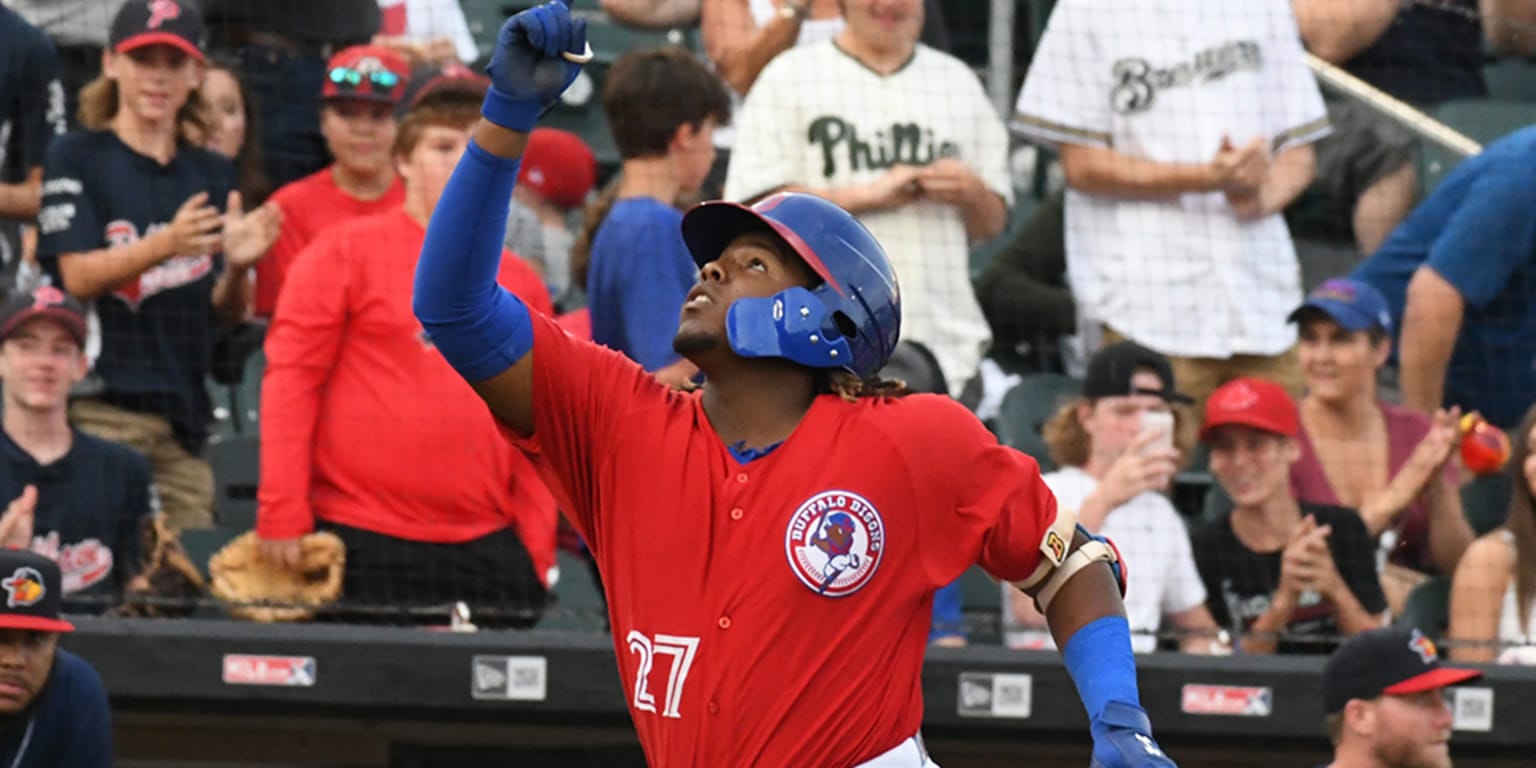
{"points": [[984, 694], [508, 678]]}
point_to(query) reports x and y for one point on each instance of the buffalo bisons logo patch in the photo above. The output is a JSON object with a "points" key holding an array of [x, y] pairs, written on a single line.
{"points": [[1423, 646], [23, 588], [834, 543]]}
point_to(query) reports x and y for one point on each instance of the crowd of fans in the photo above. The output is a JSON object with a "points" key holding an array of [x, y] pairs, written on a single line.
{"points": [[176, 173]]}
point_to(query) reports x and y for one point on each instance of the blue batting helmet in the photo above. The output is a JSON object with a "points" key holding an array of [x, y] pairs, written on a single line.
{"points": [[850, 321]]}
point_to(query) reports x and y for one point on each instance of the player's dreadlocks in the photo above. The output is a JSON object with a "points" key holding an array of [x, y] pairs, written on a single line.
{"points": [[850, 387]]}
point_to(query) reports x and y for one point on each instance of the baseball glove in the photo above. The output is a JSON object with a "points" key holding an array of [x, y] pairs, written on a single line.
{"points": [[169, 583], [253, 589]]}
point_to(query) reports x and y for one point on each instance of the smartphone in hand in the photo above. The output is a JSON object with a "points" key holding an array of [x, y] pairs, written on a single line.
{"points": [[1161, 424]]}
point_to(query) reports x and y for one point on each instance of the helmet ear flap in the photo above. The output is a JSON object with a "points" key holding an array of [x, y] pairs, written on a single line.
{"points": [[792, 324]]}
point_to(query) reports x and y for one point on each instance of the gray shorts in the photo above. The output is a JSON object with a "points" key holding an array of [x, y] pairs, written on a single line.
{"points": [[1363, 149]]}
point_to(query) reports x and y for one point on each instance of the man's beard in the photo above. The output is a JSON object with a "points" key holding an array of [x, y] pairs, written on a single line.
{"points": [[686, 343]]}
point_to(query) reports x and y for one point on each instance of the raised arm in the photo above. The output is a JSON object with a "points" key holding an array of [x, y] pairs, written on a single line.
{"points": [[481, 329]]}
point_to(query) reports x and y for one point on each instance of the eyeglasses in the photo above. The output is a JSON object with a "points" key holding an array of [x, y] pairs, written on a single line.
{"points": [[380, 81]]}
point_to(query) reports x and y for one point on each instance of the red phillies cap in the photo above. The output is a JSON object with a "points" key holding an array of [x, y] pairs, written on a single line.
{"points": [[1253, 403], [366, 73], [141, 23], [558, 165]]}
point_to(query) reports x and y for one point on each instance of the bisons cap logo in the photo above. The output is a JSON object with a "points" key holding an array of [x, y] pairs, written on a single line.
{"points": [[834, 543], [1238, 397], [24, 587], [1423, 646]]}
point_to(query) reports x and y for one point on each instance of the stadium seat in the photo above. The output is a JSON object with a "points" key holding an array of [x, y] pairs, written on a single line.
{"points": [[981, 603], [1484, 121], [1511, 79], [1027, 407], [1485, 502], [577, 603], [236, 473], [1428, 606]]}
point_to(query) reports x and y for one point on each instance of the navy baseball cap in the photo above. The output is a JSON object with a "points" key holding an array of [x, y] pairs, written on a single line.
{"points": [[1354, 305], [141, 23], [43, 301], [1393, 661], [1111, 369], [31, 585]]}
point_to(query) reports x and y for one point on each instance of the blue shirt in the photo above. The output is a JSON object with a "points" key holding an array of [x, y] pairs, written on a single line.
{"points": [[89, 506], [1431, 52], [68, 724], [157, 331], [1478, 231], [31, 113], [638, 275]]}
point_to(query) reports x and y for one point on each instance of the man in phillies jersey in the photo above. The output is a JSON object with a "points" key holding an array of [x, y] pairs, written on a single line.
{"points": [[131, 221], [703, 509], [357, 102]]}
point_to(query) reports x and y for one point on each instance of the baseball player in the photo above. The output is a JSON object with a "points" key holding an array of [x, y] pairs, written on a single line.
{"points": [[714, 514]]}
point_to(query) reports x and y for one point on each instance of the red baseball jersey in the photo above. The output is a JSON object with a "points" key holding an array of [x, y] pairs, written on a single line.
{"points": [[774, 613]]}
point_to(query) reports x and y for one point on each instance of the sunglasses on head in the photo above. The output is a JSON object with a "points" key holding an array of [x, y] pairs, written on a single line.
{"points": [[380, 81]]}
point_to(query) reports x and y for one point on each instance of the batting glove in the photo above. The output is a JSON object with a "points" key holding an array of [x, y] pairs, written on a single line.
{"points": [[1122, 738], [529, 70]]}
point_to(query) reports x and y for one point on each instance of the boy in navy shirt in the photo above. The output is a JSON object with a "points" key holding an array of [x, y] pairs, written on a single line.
{"points": [[72, 497], [53, 708]]}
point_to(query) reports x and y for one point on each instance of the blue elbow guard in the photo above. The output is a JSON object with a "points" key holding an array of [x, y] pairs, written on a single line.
{"points": [[1098, 656]]}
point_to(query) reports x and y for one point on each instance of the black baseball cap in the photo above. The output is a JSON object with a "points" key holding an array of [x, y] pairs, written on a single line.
{"points": [[1111, 369], [31, 585], [141, 23], [43, 301], [1393, 661]]}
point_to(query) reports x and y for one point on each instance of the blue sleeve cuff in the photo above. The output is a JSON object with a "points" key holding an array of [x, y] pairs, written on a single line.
{"points": [[1099, 658]]}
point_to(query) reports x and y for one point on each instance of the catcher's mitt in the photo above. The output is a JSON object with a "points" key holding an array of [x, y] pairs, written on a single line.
{"points": [[252, 588], [169, 583]]}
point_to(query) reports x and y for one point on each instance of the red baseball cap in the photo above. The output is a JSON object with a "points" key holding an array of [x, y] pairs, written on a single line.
{"points": [[1253, 403], [558, 165], [366, 73], [142, 23]]}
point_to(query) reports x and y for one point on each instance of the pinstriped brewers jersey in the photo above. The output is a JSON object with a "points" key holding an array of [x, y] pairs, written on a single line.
{"points": [[1166, 81], [755, 604]]}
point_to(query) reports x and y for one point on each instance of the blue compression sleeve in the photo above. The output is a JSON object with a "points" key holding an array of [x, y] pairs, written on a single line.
{"points": [[1098, 656], [480, 328]]}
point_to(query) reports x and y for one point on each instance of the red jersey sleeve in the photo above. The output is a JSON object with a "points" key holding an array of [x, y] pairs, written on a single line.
{"points": [[582, 393], [990, 502], [301, 347]]}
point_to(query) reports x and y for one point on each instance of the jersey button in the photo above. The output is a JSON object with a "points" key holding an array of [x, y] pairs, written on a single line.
{"points": [[742, 478], [724, 622], [736, 513], [714, 709]]}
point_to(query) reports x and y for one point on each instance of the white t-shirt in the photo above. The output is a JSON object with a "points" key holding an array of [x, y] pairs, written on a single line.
{"points": [[818, 117], [1167, 80], [429, 19], [1155, 544]]}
